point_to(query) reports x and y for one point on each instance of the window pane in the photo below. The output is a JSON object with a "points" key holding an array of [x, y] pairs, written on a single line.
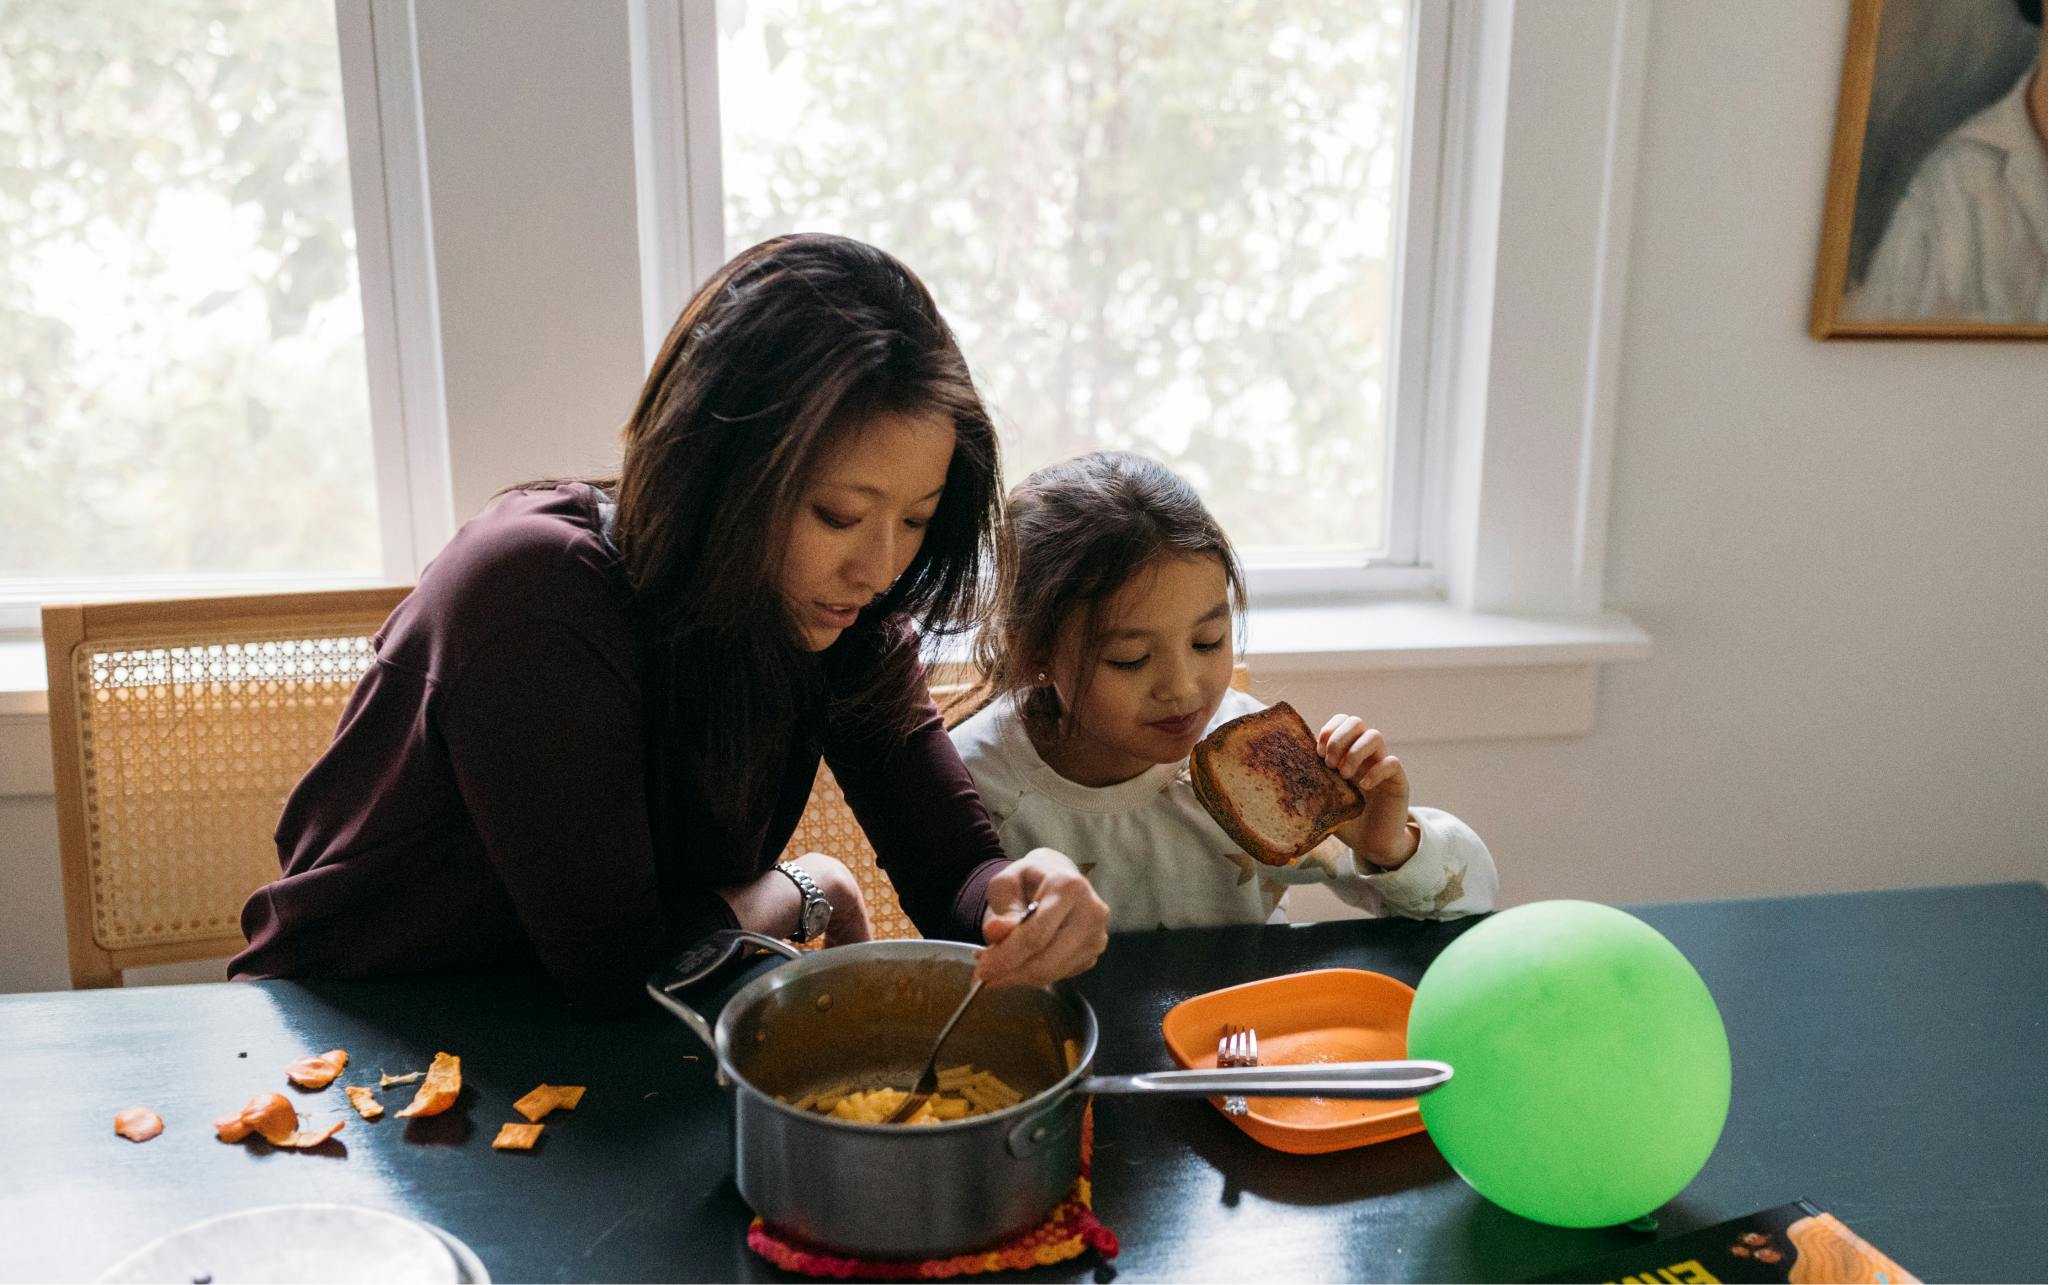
{"points": [[182, 380], [1162, 227]]}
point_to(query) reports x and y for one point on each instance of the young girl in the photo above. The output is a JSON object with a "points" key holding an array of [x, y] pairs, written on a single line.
{"points": [[1109, 658], [589, 732]]}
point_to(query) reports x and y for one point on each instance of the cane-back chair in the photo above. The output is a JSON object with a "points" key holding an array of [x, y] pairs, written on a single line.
{"points": [[177, 728]]}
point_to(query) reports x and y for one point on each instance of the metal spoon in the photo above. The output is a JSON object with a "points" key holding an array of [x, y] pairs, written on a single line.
{"points": [[928, 1080]]}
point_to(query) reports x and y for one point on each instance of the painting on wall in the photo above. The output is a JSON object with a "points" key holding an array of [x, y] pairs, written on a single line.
{"points": [[1934, 223]]}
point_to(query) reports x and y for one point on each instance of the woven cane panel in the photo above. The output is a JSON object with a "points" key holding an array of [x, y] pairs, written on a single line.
{"points": [[188, 753], [828, 826]]}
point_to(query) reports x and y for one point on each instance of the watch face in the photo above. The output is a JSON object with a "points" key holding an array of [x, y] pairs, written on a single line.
{"points": [[817, 914]]}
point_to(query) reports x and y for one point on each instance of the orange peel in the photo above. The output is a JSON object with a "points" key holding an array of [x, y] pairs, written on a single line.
{"points": [[439, 1090], [548, 1097], [365, 1102], [138, 1124], [317, 1072], [272, 1117], [314, 1137], [517, 1137]]}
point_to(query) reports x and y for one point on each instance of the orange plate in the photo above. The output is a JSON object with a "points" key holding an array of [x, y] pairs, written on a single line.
{"points": [[1330, 1015]]}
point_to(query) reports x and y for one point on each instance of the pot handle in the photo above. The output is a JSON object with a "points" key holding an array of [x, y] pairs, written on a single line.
{"points": [[700, 964], [1044, 1127], [1396, 1079]]}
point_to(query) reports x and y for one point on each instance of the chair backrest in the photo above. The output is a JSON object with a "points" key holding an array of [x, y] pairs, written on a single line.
{"points": [[828, 824], [177, 728]]}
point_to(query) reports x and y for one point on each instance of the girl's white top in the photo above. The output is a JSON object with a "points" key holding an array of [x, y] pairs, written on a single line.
{"points": [[1160, 861]]}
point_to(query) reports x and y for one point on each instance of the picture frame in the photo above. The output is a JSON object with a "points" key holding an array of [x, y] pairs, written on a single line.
{"points": [[1920, 79]]}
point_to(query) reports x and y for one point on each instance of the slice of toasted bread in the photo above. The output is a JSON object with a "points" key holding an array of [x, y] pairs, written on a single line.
{"points": [[1262, 779]]}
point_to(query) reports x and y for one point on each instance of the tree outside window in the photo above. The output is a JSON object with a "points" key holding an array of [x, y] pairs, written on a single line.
{"points": [[1163, 227], [182, 381]]}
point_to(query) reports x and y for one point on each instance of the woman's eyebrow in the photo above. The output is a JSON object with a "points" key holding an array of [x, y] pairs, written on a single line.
{"points": [[878, 492]]}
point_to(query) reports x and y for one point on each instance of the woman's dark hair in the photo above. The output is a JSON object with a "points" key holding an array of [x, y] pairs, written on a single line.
{"points": [[1077, 532], [795, 343]]}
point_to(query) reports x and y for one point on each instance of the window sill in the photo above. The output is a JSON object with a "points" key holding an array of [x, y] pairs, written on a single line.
{"points": [[1429, 672], [1422, 671], [1425, 670], [1405, 635]]}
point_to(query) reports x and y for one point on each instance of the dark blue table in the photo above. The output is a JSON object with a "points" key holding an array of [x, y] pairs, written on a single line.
{"points": [[1889, 1066]]}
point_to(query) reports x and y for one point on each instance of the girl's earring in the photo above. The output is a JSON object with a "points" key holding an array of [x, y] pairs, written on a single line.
{"points": [[1041, 678]]}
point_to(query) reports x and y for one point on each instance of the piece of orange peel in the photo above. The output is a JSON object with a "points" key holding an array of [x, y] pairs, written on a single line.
{"points": [[439, 1090], [317, 1072], [272, 1117], [138, 1124], [365, 1101]]}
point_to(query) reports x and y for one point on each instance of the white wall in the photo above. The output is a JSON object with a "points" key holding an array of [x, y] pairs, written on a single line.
{"points": [[536, 251], [1838, 548]]}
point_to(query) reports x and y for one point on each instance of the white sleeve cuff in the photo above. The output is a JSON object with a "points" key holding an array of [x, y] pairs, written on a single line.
{"points": [[1451, 874]]}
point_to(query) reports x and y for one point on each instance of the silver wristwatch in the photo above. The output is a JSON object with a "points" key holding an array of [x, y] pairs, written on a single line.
{"points": [[817, 910]]}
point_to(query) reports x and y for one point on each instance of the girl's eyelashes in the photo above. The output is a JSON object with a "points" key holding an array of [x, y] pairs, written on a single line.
{"points": [[1138, 662]]}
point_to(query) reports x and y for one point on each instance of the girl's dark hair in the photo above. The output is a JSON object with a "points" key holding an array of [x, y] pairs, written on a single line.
{"points": [[795, 343], [1077, 532]]}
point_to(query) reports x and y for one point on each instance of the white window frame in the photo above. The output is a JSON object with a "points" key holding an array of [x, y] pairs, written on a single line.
{"points": [[1522, 143], [1536, 166], [394, 258], [680, 152]]}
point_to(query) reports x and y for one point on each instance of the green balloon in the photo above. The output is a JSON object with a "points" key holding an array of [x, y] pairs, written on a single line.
{"points": [[1590, 1070]]}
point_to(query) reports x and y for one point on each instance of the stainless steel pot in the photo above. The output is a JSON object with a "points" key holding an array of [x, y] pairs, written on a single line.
{"points": [[864, 1016]]}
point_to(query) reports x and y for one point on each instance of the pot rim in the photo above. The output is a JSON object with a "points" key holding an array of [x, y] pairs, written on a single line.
{"points": [[910, 948]]}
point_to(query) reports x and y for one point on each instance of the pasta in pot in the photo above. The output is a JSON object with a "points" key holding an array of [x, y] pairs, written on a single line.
{"points": [[963, 1092]]}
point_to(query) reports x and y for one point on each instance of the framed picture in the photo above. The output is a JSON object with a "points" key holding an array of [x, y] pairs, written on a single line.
{"points": [[1934, 222]]}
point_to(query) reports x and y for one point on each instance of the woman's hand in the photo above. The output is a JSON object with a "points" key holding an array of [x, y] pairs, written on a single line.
{"points": [[1063, 938], [1383, 833], [771, 903], [849, 922]]}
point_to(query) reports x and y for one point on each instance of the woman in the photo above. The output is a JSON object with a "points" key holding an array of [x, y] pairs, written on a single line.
{"points": [[591, 728]]}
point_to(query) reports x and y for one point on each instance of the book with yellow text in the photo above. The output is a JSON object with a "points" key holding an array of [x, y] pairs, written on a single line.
{"points": [[1794, 1243]]}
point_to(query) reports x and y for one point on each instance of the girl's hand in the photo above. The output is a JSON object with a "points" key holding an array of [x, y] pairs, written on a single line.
{"points": [[1065, 937], [1383, 834]]}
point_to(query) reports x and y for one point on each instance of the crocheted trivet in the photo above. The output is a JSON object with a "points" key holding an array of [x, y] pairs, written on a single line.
{"points": [[1068, 1231]]}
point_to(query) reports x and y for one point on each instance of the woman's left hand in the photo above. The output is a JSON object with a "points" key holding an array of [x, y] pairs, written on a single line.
{"points": [[1382, 834], [1064, 937]]}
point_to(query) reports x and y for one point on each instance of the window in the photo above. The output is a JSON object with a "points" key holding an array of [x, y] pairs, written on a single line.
{"points": [[184, 403], [1176, 229]]}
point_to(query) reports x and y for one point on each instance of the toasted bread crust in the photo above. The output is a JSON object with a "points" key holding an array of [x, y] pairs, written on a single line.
{"points": [[1278, 744]]}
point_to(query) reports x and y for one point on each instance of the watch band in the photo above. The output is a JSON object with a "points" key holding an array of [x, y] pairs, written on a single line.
{"points": [[815, 910]]}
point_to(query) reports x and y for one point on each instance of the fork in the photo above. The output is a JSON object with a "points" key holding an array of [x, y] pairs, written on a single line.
{"points": [[1237, 1046], [927, 1082]]}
